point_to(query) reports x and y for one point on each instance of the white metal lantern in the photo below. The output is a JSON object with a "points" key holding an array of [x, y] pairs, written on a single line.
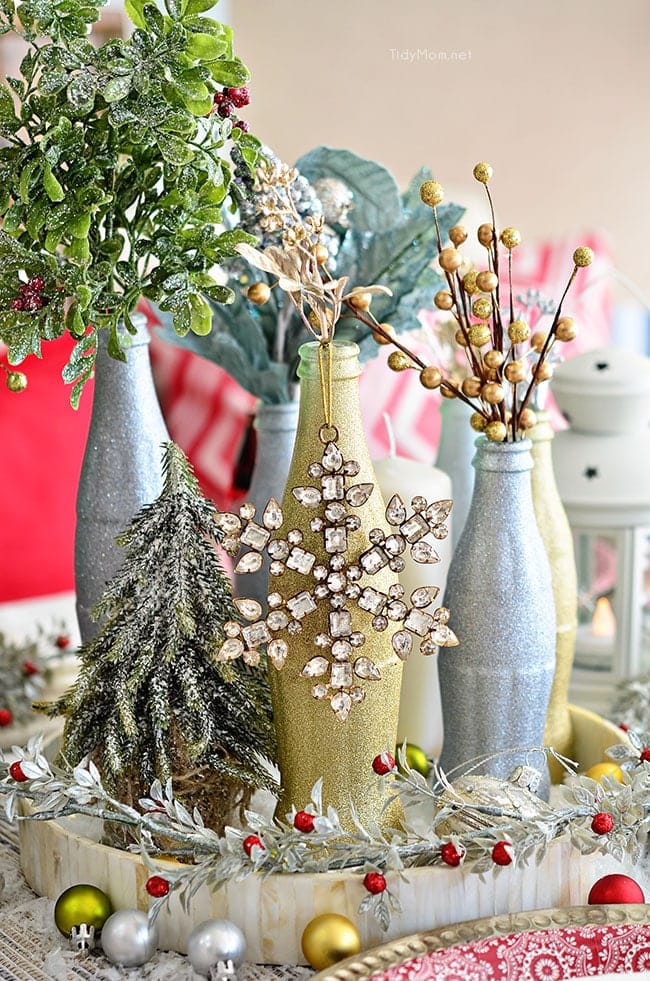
{"points": [[602, 467]]}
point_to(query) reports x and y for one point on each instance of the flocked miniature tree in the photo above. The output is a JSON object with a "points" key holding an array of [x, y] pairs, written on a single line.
{"points": [[151, 701]]}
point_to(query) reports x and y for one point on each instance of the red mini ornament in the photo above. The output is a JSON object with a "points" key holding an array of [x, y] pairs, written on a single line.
{"points": [[383, 764], [16, 771], [602, 823], [451, 855], [30, 668], [374, 882], [645, 754], [502, 853], [304, 821], [6, 718], [252, 842], [615, 888], [156, 886], [62, 642]]}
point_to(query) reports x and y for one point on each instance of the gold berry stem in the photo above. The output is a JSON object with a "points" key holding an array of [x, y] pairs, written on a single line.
{"points": [[471, 356], [495, 248], [512, 306]]}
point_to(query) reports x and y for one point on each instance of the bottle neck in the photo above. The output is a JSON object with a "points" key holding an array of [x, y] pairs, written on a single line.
{"points": [[330, 381]]}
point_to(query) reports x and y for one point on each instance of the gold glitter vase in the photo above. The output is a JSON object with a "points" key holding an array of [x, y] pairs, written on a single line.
{"points": [[312, 741], [556, 534]]}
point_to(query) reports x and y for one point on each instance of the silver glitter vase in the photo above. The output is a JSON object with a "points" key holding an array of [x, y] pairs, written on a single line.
{"points": [[275, 427], [495, 685], [121, 468]]}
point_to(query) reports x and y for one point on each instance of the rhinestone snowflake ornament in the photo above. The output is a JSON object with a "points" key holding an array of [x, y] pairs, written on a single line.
{"points": [[338, 667]]}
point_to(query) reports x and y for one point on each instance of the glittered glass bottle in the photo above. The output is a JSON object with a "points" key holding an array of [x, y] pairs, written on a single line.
{"points": [[558, 541], [121, 469], [312, 742], [495, 685]]}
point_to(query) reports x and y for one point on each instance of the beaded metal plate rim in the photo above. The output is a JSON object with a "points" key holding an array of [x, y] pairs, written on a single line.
{"points": [[396, 952]]}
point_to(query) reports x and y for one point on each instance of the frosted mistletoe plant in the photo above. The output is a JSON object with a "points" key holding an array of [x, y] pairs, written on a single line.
{"points": [[113, 175]]}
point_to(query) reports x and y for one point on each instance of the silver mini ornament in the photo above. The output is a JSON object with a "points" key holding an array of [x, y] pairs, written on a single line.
{"points": [[128, 938], [216, 948]]}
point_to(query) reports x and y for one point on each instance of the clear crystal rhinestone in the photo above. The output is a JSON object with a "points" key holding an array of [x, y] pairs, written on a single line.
{"points": [[231, 629], [336, 540], [438, 512], [295, 536], [337, 601], [272, 517], [316, 668], [396, 610], [340, 623], [366, 669], [277, 620], [250, 562], [333, 488], [444, 636], [315, 470], [397, 563], [353, 523], [396, 591], [230, 650], [372, 600], [357, 639], [395, 511], [229, 523], [295, 627], [402, 644], [341, 650], [357, 694], [353, 590], [373, 560], [249, 608], [341, 703], [337, 562], [341, 676], [255, 536], [230, 545], [419, 622], [394, 545], [332, 458], [358, 494], [423, 552], [336, 582], [354, 573], [442, 615], [424, 595], [380, 623], [351, 468], [256, 633], [301, 561], [419, 504], [320, 572], [320, 691], [309, 497], [323, 640], [335, 511], [317, 524], [301, 604], [321, 591], [278, 549], [247, 511], [277, 650], [274, 600], [377, 536], [415, 528], [252, 658], [277, 568], [428, 646], [439, 531]]}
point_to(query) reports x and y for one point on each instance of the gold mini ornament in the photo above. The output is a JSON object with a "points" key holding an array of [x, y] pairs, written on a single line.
{"points": [[487, 281], [360, 301], [259, 293], [482, 307], [398, 361], [583, 256], [537, 340], [443, 300], [494, 358], [432, 193], [16, 381], [450, 259], [471, 386], [478, 422], [493, 393], [329, 938], [511, 238], [431, 377], [485, 234], [479, 334], [518, 331], [483, 172], [389, 333], [515, 372], [496, 431], [565, 330], [458, 234], [321, 253]]}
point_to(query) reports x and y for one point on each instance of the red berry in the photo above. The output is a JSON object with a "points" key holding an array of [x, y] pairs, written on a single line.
{"points": [[30, 668], [219, 97], [156, 886], [374, 882], [624, 726], [602, 823], [17, 303], [645, 755], [242, 125], [6, 718], [502, 853], [16, 771], [26, 290], [383, 764], [450, 854], [304, 821], [33, 303], [62, 642], [225, 109], [252, 842], [37, 283], [239, 97]]}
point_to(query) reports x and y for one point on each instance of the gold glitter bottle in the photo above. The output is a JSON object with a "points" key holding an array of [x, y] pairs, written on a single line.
{"points": [[312, 741]]}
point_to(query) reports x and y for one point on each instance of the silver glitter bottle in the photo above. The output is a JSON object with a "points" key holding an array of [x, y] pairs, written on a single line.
{"points": [[495, 685], [121, 468]]}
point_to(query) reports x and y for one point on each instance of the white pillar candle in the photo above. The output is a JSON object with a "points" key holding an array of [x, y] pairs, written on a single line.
{"points": [[420, 719]]}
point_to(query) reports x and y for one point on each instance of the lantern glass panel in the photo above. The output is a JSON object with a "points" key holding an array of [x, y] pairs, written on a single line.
{"points": [[597, 561]]}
